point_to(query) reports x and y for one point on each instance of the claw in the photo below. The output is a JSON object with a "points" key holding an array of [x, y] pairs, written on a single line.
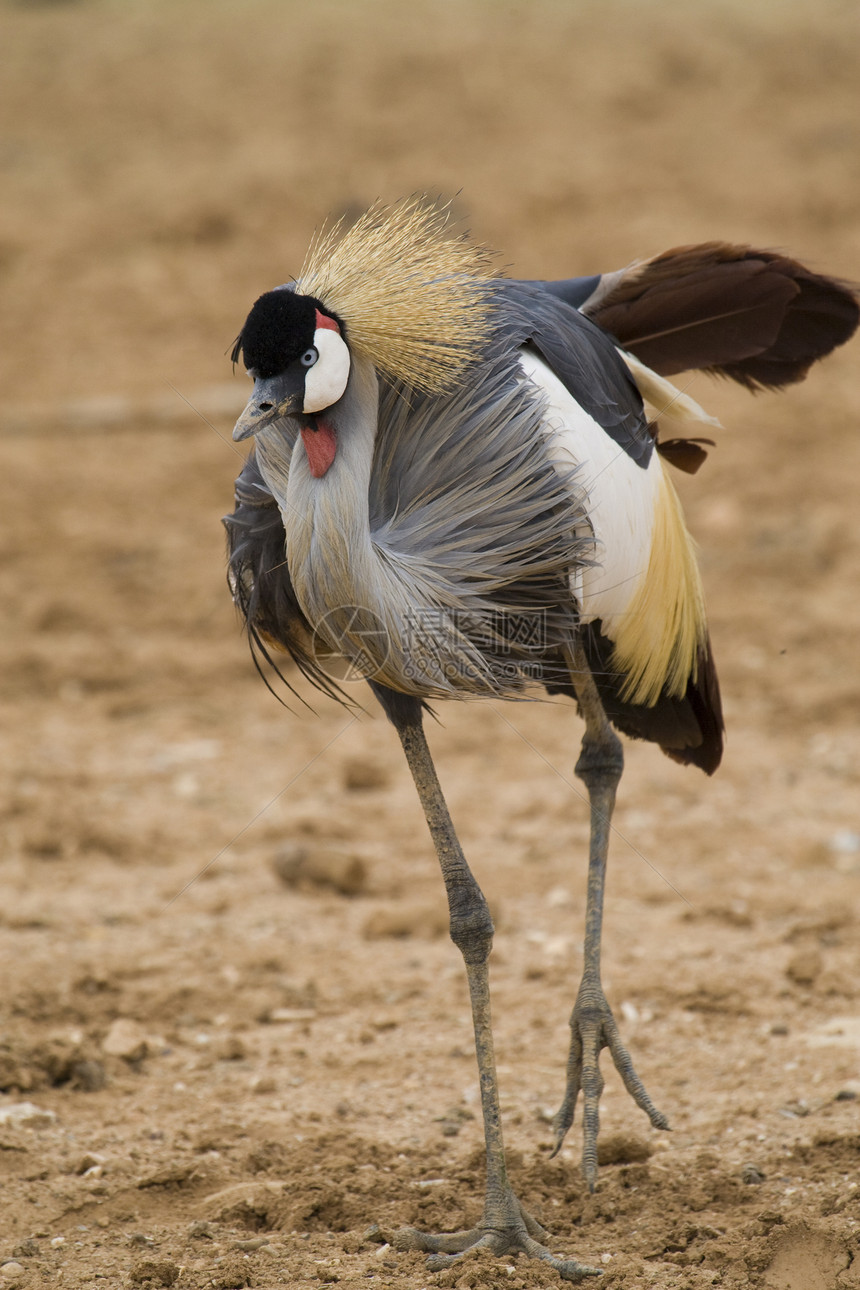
{"points": [[594, 1028], [517, 1236]]}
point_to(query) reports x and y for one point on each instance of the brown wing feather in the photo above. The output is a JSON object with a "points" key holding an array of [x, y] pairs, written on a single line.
{"points": [[684, 454], [755, 316]]}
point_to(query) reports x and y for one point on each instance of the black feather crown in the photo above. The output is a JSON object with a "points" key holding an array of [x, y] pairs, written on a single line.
{"points": [[278, 329]]}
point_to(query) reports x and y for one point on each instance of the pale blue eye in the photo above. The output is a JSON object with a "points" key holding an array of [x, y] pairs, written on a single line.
{"points": [[309, 357]]}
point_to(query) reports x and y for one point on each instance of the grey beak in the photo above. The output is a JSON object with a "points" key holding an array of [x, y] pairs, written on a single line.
{"points": [[269, 401]]}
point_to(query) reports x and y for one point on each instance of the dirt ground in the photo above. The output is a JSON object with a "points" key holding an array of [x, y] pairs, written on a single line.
{"points": [[229, 1008]]}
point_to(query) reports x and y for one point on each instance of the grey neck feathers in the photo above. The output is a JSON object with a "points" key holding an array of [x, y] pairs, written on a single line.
{"points": [[335, 569]]}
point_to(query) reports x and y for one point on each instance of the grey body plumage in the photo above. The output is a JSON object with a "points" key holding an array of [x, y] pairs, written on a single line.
{"points": [[473, 530]]}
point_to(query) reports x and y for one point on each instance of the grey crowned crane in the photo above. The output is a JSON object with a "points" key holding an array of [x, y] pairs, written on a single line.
{"points": [[458, 485]]}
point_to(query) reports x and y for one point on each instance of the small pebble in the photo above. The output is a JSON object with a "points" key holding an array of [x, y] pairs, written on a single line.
{"points": [[27, 1249], [280, 1015], [425, 920], [359, 775], [752, 1175], [158, 1273], [201, 1229], [622, 1149], [452, 1122], [230, 1048], [26, 1115], [125, 1039], [794, 1110], [89, 1076], [805, 966], [57, 1241], [167, 1175], [9, 1271], [308, 867], [845, 842], [264, 1084], [91, 1160]]}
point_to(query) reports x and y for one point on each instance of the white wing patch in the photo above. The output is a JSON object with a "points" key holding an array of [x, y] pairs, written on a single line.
{"points": [[644, 584], [621, 499]]}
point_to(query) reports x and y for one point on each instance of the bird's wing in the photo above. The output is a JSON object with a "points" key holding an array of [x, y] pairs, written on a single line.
{"points": [[758, 317], [574, 291], [643, 623], [583, 358]]}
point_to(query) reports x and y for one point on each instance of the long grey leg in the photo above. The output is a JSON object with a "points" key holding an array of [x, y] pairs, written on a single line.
{"points": [[592, 1024], [505, 1224], [472, 932]]}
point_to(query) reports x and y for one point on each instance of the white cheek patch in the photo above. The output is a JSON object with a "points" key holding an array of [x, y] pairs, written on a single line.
{"points": [[326, 380]]}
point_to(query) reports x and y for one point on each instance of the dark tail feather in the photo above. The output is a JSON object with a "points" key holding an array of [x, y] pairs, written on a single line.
{"points": [[755, 316], [688, 728]]}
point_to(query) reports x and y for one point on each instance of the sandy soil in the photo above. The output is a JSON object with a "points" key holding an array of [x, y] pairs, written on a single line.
{"points": [[227, 993]]}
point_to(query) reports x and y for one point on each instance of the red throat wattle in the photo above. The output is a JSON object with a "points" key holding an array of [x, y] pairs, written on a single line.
{"points": [[321, 445]]}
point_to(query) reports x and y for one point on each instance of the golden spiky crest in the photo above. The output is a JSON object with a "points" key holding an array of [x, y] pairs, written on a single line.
{"points": [[413, 296]]}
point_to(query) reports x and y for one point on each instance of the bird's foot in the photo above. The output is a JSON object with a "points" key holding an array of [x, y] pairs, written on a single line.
{"points": [[506, 1228], [593, 1028]]}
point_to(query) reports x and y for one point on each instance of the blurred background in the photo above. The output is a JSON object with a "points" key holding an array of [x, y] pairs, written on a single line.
{"points": [[162, 163]]}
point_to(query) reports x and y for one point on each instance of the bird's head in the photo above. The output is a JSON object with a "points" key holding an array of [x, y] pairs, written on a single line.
{"points": [[297, 354], [394, 293]]}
